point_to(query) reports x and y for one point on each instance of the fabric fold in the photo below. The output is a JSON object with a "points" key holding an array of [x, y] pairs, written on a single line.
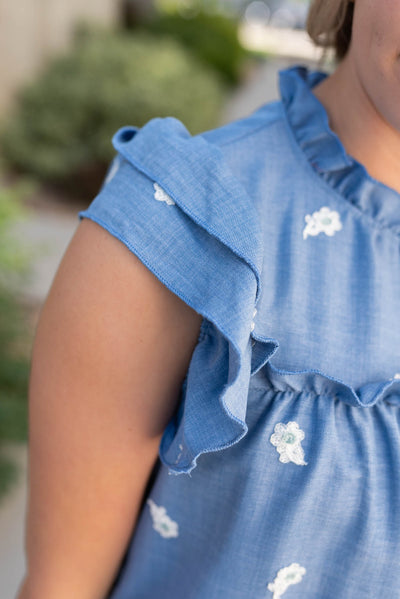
{"points": [[315, 382], [205, 188]]}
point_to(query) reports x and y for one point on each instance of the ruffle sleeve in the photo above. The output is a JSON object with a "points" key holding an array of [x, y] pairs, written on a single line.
{"points": [[172, 199]]}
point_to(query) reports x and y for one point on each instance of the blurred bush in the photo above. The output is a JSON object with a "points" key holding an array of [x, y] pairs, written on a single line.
{"points": [[63, 123], [212, 37], [15, 334]]}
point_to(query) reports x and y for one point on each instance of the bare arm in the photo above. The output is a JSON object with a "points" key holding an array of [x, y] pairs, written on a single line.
{"points": [[111, 350]]}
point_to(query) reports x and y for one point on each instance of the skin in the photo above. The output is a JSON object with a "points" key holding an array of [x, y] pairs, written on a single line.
{"points": [[362, 96], [111, 350]]}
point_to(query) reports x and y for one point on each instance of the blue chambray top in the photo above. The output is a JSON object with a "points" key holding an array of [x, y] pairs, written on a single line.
{"points": [[286, 438]]}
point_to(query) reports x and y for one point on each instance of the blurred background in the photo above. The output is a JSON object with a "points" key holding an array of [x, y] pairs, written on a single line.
{"points": [[72, 74]]}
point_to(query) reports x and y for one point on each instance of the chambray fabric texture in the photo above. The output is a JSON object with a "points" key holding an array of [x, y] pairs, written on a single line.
{"points": [[279, 474]]}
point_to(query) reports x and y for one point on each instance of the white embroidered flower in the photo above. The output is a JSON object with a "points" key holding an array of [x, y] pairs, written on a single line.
{"points": [[113, 169], [287, 439], [324, 220], [253, 324], [162, 195], [179, 454], [292, 574], [397, 375], [161, 522]]}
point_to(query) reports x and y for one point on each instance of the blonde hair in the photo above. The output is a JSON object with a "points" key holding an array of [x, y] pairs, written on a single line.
{"points": [[329, 24]]}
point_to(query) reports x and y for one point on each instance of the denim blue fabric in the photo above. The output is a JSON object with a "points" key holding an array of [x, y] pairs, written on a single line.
{"points": [[286, 439]]}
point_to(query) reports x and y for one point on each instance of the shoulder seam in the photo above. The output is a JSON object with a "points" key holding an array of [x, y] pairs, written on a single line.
{"points": [[251, 132]]}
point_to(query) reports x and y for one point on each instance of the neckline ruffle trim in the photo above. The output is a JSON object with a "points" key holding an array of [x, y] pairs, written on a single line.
{"points": [[326, 154]]}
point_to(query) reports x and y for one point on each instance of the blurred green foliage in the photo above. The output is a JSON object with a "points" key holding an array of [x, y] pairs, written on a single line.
{"points": [[14, 260], [185, 6], [62, 127], [15, 335], [212, 37]]}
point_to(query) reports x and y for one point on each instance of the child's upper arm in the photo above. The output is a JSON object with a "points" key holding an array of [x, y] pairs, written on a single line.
{"points": [[174, 243], [174, 202], [111, 350]]}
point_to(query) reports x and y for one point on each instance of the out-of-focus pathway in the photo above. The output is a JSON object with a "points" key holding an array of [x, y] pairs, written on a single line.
{"points": [[50, 226], [12, 520]]}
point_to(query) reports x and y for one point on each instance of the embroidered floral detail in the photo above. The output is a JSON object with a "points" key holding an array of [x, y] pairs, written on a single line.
{"points": [[180, 453], [292, 574], [324, 220], [253, 324], [113, 170], [161, 522], [397, 375], [287, 439], [162, 195]]}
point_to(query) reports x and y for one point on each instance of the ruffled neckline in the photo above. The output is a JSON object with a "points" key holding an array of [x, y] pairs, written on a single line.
{"points": [[323, 149]]}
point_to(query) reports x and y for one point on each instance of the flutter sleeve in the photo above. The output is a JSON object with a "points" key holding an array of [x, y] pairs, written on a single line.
{"points": [[172, 200]]}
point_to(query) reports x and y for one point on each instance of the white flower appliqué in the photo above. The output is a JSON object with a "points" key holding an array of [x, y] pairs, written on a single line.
{"points": [[162, 195], [162, 523], [116, 163], [253, 324], [287, 439], [397, 375], [292, 574], [324, 220]]}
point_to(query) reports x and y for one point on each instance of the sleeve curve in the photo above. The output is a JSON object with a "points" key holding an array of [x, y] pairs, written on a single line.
{"points": [[173, 201]]}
